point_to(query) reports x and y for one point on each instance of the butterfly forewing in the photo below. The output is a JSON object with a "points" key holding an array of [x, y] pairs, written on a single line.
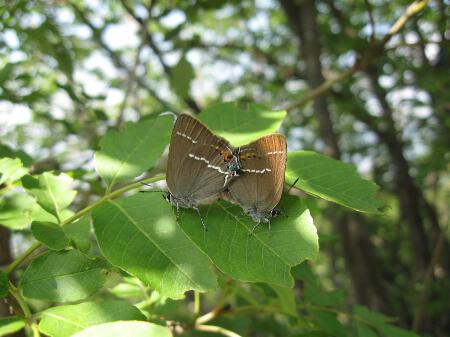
{"points": [[260, 182], [195, 169]]}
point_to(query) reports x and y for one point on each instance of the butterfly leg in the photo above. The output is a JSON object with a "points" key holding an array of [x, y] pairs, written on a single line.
{"points": [[254, 228], [178, 213], [201, 219]]}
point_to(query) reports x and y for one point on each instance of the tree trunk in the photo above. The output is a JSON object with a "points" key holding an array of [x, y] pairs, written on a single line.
{"points": [[409, 195], [357, 249]]}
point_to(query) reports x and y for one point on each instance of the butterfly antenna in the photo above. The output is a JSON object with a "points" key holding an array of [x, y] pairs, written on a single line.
{"points": [[295, 182]]}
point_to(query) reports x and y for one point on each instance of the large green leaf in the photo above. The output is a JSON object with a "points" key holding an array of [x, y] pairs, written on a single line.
{"points": [[332, 180], [241, 124], [63, 276], [9, 325], [52, 192], [262, 257], [66, 320], [126, 154], [181, 77], [11, 170], [50, 234], [140, 235], [120, 329]]}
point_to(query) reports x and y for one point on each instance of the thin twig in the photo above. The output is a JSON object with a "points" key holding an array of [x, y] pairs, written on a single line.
{"points": [[216, 329], [423, 298], [361, 62], [82, 212], [119, 63], [25, 309], [130, 84], [196, 304], [148, 39], [372, 22]]}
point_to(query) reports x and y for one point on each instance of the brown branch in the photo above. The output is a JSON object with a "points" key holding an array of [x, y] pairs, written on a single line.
{"points": [[423, 298], [372, 22], [118, 62], [363, 61], [216, 329], [148, 39]]}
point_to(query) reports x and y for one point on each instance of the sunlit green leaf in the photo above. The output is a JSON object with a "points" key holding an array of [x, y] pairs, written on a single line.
{"points": [[241, 124], [64, 321], [262, 257], [63, 276], [16, 210], [52, 192], [6, 151], [140, 235], [11, 170], [126, 154], [9, 325], [120, 329], [332, 180]]}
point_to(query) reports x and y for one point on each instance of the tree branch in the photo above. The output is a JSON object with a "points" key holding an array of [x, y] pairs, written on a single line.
{"points": [[363, 61], [119, 63]]}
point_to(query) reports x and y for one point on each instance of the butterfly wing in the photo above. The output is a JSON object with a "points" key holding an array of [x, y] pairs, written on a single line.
{"points": [[261, 179], [195, 169]]}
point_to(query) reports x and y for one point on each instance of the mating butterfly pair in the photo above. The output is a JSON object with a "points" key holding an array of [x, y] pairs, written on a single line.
{"points": [[203, 167]]}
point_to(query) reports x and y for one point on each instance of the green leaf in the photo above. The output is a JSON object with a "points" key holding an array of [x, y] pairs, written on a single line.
{"points": [[329, 323], [50, 234], [364, 331], [52, 192], [120, 329], [4, 284], [393, 331], [126, 154], [63, 276], [286, 299], [64, 321], [140, 235], [6, 151], [9, 325], [16, 210], [79, 233], [241, 124], [181, 76], [11, 170], [375, 318], [332, 180], [262, 257], [6, 72]]}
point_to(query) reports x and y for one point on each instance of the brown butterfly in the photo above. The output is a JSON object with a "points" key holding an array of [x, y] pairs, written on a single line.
{"points": [[260, 167]]}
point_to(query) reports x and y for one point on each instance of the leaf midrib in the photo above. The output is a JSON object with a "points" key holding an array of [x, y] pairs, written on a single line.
{"points": [[261, 241], [152, 241]]}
